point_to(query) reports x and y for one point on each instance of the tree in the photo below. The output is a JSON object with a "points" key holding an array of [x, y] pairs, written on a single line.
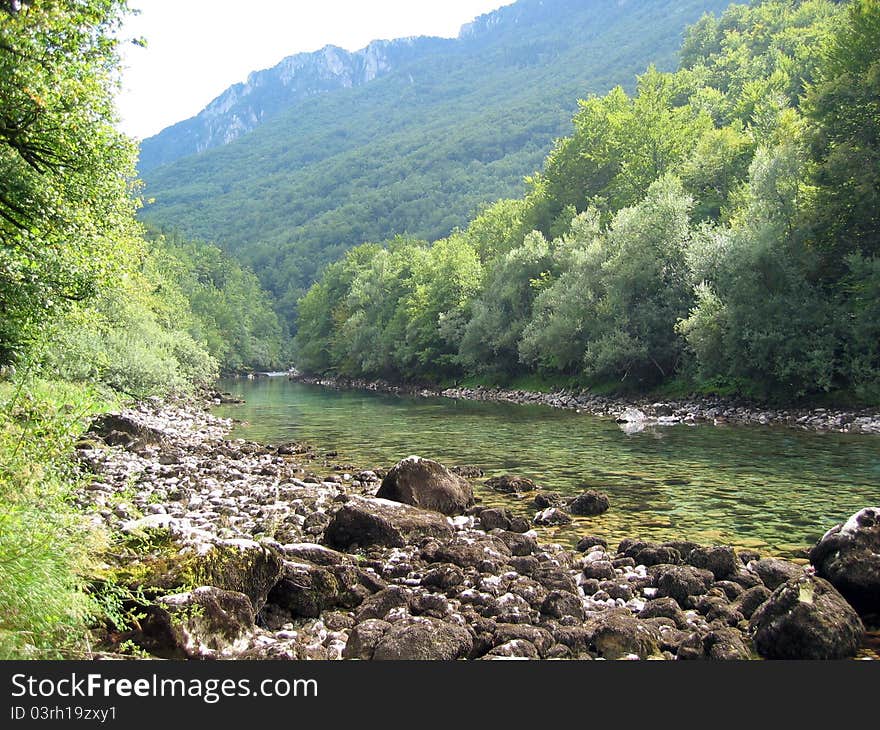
{"points": [[66, 210], [843, 108]]}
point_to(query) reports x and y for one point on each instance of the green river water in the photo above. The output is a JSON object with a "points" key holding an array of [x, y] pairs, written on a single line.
{"points": [[772, 489]]}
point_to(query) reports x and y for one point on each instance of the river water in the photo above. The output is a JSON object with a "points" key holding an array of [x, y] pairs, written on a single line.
{"points": [[767, 488]]}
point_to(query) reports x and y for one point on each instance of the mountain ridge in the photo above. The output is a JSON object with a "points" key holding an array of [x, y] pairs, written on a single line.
{"points": [[421, 147]]}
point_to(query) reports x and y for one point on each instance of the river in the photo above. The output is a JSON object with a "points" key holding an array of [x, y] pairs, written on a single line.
{"points": [[771, 489]]}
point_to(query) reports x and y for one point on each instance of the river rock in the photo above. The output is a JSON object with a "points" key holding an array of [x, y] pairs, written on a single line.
{"points": [[510, 483], [364, 638], [589, 504], [748, 601], [552, 516], [588, 541], [428, 485], [616, 634], [491, 519], [665, 608], [560, 604], [423, 638], [680, 581], [116, 429], [720, 560], [806, 618], [848, 556], [204, 623], [514, 649], [363, 521], [305, 591], [773, 572]]}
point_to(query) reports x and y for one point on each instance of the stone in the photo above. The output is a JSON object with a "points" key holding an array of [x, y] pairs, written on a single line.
{"points": [[423, 638], [720, 560], [428, 485], [589, 503], [552, 516], [616, 634], [509, 483], [380, 604], [203, 623], [364, 638], [848, 556], [116, 429], [656, 555], [666, 608], [514, 649], [680, 581], [806, 618], [364, 522], [588, 541], [559, 604], [749, 600], [773, 572], [538, 637], [466, 552], [305, 591], [599, 570], [492, 519], [543, 500]]}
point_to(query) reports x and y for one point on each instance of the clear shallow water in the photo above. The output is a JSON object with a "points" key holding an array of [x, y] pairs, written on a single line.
{"points": [[773, 489]]}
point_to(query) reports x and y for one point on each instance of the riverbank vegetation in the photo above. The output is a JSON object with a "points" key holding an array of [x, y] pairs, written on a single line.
{"points": [[93, 309], [717, 228]]}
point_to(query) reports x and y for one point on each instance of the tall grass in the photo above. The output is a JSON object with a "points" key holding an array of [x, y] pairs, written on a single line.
{"points": [[46, 545]]}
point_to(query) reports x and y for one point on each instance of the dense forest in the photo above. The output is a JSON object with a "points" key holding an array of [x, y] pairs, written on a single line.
{"points": [[717, 229], [416, 151], [94, 309]]}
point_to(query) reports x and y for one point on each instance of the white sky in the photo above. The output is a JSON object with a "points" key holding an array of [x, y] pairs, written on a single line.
{"points": [[197, 48]]}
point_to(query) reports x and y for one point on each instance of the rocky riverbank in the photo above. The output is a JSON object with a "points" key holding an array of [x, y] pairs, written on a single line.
{"points": [[231, 549], [637, 414]]}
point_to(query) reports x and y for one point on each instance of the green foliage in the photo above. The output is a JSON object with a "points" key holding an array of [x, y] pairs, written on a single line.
{"points": [[843, 108], [66, 209], [231, 313], [717, 232], [418, 150], [46, 546]]}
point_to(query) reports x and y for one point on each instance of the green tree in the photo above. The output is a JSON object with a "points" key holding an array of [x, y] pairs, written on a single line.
{"points": [[843, 108], [66, 209]]}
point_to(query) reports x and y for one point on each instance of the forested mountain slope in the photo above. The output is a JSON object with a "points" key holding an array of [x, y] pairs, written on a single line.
{"points": [[719, 226], [419, 148]]}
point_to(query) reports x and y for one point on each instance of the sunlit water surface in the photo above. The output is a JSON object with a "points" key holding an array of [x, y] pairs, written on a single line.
{"points": [[772, 489]]}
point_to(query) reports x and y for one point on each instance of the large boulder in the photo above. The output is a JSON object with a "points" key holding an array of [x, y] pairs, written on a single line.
{"points": [[423, 638], [427, 484], [243, 566], [848, 556], [204, 623], [806, 618], [363, 521]]}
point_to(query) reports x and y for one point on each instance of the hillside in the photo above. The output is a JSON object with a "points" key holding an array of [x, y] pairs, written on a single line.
{"points": [[450, 126]]}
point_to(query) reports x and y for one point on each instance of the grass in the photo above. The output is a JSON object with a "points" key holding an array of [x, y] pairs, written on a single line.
{"points": [[46, 545]]}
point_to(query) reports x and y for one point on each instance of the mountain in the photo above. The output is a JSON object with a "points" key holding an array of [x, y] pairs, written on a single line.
{"points": [[441, 128], [243, 107]]}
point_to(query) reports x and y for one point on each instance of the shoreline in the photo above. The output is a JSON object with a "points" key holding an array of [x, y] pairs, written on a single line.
{"points": [[634, 414], [247, 551]]}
